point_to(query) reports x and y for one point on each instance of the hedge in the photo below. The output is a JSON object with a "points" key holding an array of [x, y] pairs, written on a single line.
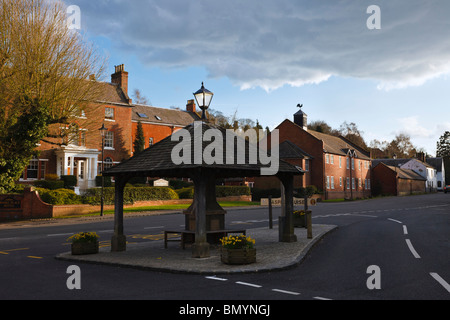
{"points": [[130, 195], [221, 191], [59, 196]]}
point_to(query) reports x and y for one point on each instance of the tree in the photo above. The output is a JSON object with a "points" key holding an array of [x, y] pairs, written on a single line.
{"points": [[139, 142], [44, 75], [443, 145], [351, 132], [139, 98]]}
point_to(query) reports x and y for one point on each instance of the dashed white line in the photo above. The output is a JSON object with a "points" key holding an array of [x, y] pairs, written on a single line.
{"points": [[405, 230], [59, 234], [249, 284], [395, 220], [321, 298], [160, 227], [286, 292], [216, 278], [411, 248], [441, 281]]}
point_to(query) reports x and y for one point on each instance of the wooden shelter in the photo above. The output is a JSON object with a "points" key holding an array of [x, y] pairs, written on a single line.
{"points": [[190, 145]]}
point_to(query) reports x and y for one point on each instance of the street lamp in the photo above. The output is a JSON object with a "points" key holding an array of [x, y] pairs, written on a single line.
{"points": [[103, 133], [203, 97]]}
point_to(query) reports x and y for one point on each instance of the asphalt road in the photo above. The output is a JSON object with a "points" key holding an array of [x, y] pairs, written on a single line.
{"points": [[406, 239]]}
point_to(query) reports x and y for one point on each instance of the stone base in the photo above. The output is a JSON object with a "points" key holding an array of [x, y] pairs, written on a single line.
{"points": [[200, 250], [118, 243]]}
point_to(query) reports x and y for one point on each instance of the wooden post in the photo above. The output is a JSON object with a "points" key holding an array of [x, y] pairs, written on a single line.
{"points": [[200, 249], [309, 224], [270, 213], [287, 231], [118, 241]]}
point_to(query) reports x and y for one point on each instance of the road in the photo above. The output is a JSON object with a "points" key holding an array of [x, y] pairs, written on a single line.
{"points": [[406, 239]]}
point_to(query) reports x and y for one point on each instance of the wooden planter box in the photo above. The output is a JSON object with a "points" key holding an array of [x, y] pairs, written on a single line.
{"points": [[82, 248], [299, 221], [238, 256]]}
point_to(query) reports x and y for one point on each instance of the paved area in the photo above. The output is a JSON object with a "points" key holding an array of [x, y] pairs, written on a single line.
{"points": [[271, 254]]}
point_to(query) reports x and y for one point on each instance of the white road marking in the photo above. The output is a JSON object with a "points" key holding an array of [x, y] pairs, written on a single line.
{"points": [[405, 230], [395, 220], [59, 234], [248, 284], [440, 280], [215, 278], [321, 298], [411, 248], [160, 227], [286, 292]]}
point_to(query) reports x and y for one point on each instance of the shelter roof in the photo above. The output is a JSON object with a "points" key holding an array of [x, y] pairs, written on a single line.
{"points": [[157, 160]]}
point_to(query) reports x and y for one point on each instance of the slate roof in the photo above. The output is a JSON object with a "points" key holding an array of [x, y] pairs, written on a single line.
{"points": [[405, 173], [289, 150], [157, 161], [149, 114], [436, 163], [339, 145]]}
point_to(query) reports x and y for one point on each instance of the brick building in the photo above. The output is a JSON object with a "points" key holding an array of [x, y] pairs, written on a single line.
{"points": [[81, 156], [396, 181], [333, 164]]}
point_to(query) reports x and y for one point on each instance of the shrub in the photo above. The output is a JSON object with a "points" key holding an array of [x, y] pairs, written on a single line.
{"points": [[59, 196], [229, 191], [107, 181], [179, 184], [130, 194], [49, 184], [69, 181], [185, 193]]}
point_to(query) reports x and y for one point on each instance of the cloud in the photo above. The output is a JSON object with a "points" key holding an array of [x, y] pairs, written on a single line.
{"points": [[272, 43]]}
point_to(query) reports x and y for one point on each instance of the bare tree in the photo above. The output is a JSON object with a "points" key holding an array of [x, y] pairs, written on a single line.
{"points": [[40, 57], [46, 81]]}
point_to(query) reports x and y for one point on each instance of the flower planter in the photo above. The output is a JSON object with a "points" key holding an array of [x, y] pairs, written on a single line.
{"points": [[238, 256], [299, 221], [82, 248]]}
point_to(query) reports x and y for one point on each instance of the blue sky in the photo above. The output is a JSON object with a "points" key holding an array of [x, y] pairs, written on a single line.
{"points": [[263, 57]]}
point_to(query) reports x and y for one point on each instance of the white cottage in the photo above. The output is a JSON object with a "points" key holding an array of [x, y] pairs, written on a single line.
{"points": [[438, 163], [425, 170]]}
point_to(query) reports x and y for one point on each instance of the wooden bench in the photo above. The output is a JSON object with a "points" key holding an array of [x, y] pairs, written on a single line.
{"points": [[186, 234]]}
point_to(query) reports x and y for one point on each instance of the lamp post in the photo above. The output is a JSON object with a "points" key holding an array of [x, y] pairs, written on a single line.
{"points": [[103, 133], [203, 98]]}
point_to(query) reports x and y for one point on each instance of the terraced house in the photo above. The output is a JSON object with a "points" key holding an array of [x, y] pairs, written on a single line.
{"points": [[82, 154]]}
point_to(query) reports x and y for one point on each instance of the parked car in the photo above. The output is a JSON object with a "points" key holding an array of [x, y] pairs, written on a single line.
{"points": [[447, 188]]}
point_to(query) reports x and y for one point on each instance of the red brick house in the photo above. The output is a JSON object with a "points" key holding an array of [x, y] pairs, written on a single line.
{"points": [[333, 164], [113, 108]]}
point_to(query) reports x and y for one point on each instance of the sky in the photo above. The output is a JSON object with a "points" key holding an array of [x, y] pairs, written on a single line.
{"points": [[387, 70]]}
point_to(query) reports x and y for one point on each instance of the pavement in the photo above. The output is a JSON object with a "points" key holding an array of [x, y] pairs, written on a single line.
{"points": [[271, 254]]}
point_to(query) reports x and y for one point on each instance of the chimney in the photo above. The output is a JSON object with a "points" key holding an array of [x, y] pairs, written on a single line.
{"points": [[120, 77], [190, 106], [421, 156], [301, 118]]}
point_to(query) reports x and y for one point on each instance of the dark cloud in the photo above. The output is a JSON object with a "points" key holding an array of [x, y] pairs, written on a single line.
{"points": [[272, 43]]}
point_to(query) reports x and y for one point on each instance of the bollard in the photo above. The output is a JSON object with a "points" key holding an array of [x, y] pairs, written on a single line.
{"points": [[309, 224], [270, 213]]}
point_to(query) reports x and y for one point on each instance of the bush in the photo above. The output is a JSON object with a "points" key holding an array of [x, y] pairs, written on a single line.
{"points": [[107, 181], [229, 191], [130, 195], [180, 184], [49, 184], [185, 193], [69, 181], [59, 196], [221, 191]]}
